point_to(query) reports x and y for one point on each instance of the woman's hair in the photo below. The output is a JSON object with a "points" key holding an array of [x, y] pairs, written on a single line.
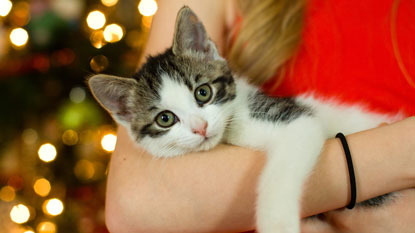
{"points": [[269, 35]]}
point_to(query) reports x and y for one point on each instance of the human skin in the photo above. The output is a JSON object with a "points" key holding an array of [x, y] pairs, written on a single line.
{"points": [[215, 191]]}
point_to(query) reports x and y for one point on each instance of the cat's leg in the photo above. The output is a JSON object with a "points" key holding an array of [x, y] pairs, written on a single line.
{"points": [[291, 158]]}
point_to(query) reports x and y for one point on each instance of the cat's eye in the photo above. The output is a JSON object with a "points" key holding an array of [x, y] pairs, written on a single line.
{"points": [[203, 94], [166, 119]]}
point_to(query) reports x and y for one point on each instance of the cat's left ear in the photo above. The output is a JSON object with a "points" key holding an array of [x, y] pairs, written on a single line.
{"points": [[114, 93], [190, 35]]}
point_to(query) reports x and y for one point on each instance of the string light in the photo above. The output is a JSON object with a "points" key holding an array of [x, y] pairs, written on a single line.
{"points": [[29, 136], [97, 39], [147, 7], [70, 137], [53, 207], [109, 3], [113, 33], [20, 214], [108, 142], [5, 7], [96, 20], [99, 63], [46, 227], [77, 95], [47, 152], [7, 193], [19, 37], [42, 187], [84, 170]]}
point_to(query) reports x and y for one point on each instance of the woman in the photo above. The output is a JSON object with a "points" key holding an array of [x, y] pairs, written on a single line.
{"points": [[215, 191]]}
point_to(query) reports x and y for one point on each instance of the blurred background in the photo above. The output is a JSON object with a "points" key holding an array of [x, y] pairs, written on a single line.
{"points": [[55, 141]]}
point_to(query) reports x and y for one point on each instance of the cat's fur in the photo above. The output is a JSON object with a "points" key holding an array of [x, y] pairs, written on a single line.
{"points": [[291, 130]]}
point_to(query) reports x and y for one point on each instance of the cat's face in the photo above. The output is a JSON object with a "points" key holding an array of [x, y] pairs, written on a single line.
{"points": [[192, 110], [180, 101]]}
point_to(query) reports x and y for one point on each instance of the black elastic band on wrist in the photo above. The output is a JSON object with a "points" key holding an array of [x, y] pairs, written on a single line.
{"points": [[352, 177]]}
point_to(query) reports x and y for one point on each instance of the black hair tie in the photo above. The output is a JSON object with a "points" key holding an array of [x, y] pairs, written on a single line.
{"points": [[352, 177]]}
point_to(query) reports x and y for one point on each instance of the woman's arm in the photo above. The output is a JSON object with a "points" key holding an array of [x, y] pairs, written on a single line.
{"points": [[215, 191]]}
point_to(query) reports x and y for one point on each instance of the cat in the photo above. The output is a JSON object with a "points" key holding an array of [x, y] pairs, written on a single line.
{"points": [[187, 99]]}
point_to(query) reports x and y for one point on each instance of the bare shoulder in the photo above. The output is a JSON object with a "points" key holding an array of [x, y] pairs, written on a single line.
{"points": [[212, 13]]}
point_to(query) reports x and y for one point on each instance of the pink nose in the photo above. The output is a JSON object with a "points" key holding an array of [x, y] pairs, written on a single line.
{"points": [[201, 130]]}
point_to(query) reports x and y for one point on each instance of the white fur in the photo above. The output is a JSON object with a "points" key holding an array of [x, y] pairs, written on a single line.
{"points": [[180, 139], [292, 148]]}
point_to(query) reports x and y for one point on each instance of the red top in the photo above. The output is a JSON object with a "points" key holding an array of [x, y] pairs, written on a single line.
{"points": [[349, 52]]}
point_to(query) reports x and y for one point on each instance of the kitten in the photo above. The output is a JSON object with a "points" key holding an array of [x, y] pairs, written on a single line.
{"points": [[187, 99]]}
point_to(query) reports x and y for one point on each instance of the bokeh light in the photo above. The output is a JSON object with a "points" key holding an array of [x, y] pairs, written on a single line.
{"points": [[29, 136], [20, 15], [7, 193], [19, 37], [96, 20], [53, 207], [77, 95], [113, 33], [70, 137], [28, 231], [108, 142], [109, 3], [84, 170], [97, 39], [147, 7], [47, 152], [20, 214], [99, 63], [42, 187], [46, 227], [5, 7]]}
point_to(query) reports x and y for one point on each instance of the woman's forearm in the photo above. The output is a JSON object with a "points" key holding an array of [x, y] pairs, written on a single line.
{"points": [[215, 190], [383, 160]]}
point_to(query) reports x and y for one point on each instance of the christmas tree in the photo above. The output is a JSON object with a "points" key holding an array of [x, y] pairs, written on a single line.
{"points": [[55, 141]]}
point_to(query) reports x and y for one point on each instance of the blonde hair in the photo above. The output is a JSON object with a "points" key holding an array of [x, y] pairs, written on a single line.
{"points": [[269, 35]]}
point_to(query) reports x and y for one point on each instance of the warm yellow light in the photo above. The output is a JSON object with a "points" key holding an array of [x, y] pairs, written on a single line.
{"points": [[5, 7], [19, 37], [96, 20], [97, 39], [29, 231], [46, 227], [147, 7], [70, 137], [47, 152], [113, 33], [84, 170], [53, 207], [20, 214], [42, 187], [109, 2], [108, 142], [7, 193]]}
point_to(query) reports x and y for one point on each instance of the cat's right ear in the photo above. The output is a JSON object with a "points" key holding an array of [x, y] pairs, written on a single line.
{"points": [[112, 93], [191, 35]]}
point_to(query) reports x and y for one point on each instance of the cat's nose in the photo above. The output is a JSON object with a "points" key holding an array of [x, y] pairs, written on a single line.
{"points": [[199, 126]]}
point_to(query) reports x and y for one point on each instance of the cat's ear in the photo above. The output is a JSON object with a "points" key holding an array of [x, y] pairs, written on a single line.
{"points": [[113, 94], [190, 34]]}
